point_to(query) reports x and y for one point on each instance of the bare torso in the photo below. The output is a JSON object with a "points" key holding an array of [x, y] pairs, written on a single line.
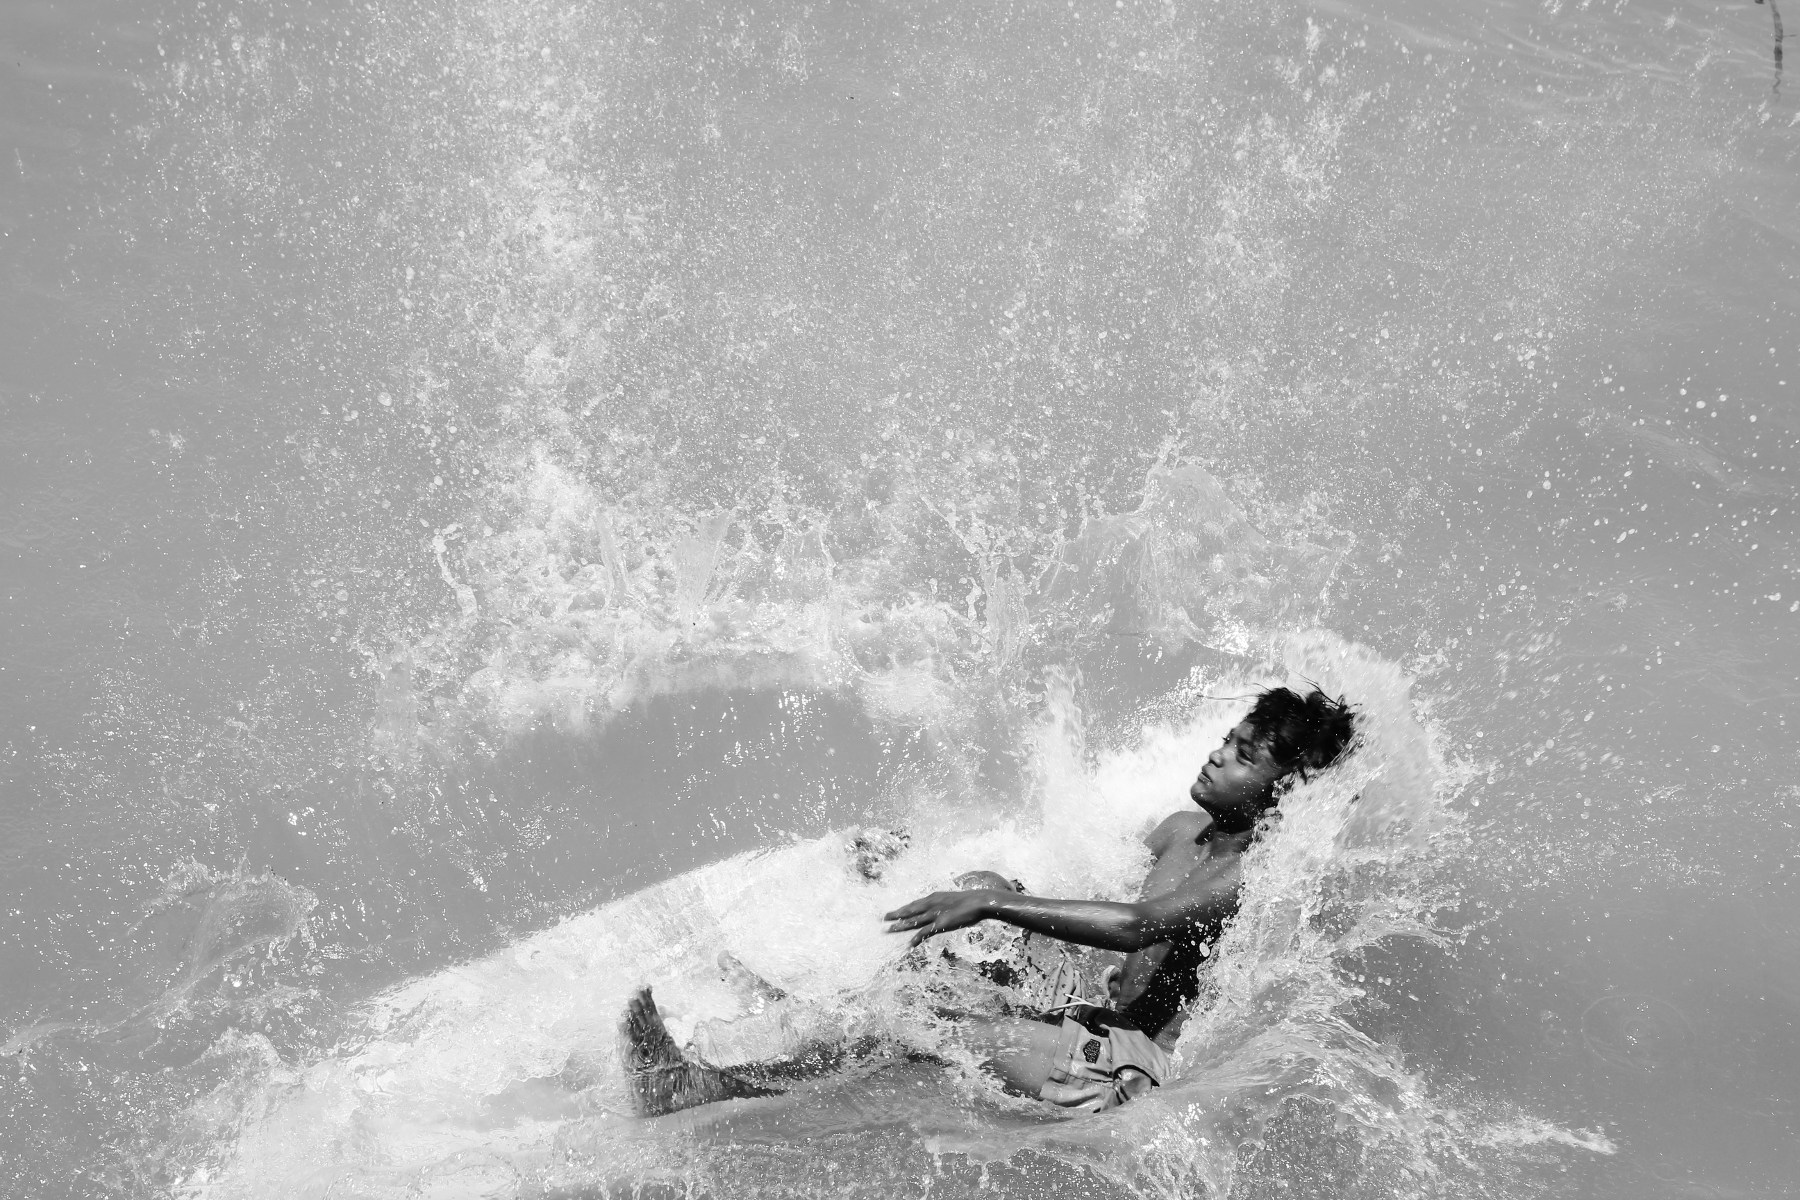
{"points": [[1189, 855]]}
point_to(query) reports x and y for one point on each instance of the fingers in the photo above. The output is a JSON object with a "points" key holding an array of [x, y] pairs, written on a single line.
{"points": [[922, 904], [930, 916], [922, 912], [913, 922]]}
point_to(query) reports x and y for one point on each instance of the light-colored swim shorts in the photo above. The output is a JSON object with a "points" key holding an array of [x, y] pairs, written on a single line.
{"points": [[1102, 1061]]}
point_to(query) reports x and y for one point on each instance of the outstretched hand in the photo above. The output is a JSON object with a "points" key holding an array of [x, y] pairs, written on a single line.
{"points": [[939, 912]]}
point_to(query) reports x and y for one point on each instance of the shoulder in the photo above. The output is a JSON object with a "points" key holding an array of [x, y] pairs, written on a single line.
{"points": [[1184, 826]]}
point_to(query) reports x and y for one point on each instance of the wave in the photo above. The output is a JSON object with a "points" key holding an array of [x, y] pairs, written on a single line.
{"points": [[503, 1067]]}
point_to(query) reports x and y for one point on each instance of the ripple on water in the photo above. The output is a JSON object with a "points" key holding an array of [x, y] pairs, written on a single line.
{"points": [[1636, 1031]]}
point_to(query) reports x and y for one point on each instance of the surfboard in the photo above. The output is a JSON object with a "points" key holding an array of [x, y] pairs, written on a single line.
{"points": [[433, 1063]]}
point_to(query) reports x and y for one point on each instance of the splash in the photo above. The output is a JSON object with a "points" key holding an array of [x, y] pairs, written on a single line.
{"points": [[507, 1060], [991, 385], [582, 609], [1366, 856], [229, 917]]}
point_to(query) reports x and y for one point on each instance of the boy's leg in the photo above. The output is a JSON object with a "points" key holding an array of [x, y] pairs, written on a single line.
{"points": [[661, 1079], [783, 1049], [1021, 1053], [1018, 1051]]}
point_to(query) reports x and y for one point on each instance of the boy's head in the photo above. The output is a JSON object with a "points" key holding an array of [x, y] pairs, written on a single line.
{"points": [[1284, 734]]}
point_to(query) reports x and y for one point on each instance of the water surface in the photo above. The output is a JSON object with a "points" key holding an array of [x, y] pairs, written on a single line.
{"points": [[466, 462]]}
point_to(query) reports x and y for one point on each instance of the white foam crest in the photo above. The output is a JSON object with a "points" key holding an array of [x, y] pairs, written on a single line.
{"points": [[1351, 862], [1351, 859], [1363, 854]]}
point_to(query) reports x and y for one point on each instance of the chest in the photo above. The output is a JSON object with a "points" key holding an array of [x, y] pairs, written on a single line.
{"points": [[1185, 863]]}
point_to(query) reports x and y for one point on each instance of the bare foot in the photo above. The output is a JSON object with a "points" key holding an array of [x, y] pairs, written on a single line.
{"points": [[733, 971], [661, 1079], [971, 880]]}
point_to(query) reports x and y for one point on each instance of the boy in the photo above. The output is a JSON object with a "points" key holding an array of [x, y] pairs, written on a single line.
{"points": [[1082, 1056]]}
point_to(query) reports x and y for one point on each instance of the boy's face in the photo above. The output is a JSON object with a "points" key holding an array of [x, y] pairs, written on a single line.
{"points": [[1234, 786]]}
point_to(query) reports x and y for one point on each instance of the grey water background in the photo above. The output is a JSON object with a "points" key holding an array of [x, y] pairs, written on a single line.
{"points": [[314, 312]]}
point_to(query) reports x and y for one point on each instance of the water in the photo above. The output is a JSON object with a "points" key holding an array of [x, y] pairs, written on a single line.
{"points": [[467, 463]]}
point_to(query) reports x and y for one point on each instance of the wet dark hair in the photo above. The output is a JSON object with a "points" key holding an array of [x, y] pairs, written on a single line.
{"points": [[1303, 734]]}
